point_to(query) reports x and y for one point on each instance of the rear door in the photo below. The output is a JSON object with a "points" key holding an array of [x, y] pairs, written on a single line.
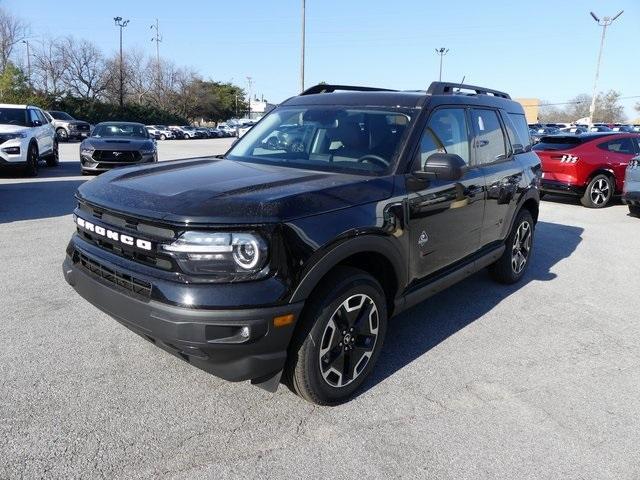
{"points": [[619, 151], [444, 216], [503, 174]]}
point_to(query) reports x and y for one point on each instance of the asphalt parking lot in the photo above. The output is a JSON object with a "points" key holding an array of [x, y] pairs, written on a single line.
{"points": [[536, 380]]}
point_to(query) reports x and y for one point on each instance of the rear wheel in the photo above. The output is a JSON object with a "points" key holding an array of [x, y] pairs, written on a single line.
{"points": [[54, 158], [510, 267], [339, 337], [163, 137], [599, 192], [31, 168], [634, 210], [62, 135]]}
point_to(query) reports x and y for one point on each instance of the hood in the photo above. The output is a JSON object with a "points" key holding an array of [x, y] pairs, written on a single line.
{"points": [[211, 191], [6, 128], [73, 122], [116, 143]]}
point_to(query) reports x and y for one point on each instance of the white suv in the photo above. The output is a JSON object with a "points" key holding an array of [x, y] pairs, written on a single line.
{"points": [[26, 137]]}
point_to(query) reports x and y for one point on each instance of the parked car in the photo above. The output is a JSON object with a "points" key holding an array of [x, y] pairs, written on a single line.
{"points": [[287, 264], [189, 132], [153, 133], [574, 130], [541, 132], [116, 144], [203, 132], [26, 137], [600, 128], [622, 128], [590, 166], [66, 127], [178, 132], [631, 190], [228, 130], [160, 132]]}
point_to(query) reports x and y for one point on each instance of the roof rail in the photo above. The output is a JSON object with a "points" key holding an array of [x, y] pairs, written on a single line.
{"points": [[448, 88], [325, 88]]}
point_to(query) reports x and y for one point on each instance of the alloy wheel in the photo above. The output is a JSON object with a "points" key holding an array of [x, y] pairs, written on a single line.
{"points": [[348, 340], [600, 192], [521, 247]]}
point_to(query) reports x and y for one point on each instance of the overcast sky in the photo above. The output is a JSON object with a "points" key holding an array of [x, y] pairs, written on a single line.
{"points": [[541, 48]]}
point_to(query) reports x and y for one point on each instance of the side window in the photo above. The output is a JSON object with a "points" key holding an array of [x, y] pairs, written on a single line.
{"points": [[619, 145], [522, 131], [446, 132], [490, 141], [41, 117], [33, 116]]}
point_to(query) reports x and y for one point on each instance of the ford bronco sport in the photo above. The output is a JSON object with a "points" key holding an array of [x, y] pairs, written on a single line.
{"points": [[283, 259]]}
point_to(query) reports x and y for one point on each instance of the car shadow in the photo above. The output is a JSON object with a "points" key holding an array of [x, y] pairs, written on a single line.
{"points": [[50, 194], [419, 329]]}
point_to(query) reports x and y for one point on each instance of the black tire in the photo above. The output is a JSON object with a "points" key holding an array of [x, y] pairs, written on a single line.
{"points": [[542, 195], [31, 167], [62, 135], [513, 263], [599, 192], [313, 376], [634, 210], [163, 137], [53, 159]]}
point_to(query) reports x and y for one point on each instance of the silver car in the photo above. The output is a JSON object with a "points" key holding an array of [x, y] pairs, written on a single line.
{"points": [[631, 190]]}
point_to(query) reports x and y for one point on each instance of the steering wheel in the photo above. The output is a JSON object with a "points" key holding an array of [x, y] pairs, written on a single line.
{"points": [[375, 159]]}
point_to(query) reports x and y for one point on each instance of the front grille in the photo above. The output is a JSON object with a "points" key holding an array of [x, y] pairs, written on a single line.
{"points": [[83, 127], [121, 281], [131, 226], [116, 156]]}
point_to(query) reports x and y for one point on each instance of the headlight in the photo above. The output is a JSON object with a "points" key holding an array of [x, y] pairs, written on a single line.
{"points": [[232, 255], [148, 149], [10, 136], [86, 151]]}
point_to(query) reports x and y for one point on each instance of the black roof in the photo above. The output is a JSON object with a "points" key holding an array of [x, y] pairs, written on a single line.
{"points": [[371, 96]]}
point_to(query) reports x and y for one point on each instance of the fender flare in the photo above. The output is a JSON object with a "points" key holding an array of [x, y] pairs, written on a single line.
{"points": [[366, 243]]}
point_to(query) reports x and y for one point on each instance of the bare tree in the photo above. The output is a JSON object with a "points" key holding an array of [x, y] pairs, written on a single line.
{"points": [[85, 71], [49, 66], [12, 31]]}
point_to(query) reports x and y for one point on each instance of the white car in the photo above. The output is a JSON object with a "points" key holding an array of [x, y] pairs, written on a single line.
{"points": [[159, 132], [26, 137]]}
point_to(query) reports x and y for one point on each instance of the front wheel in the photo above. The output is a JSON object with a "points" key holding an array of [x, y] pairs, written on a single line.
{"points": [[510, 267], [31, 168], [54, 158], [599, 192], [339, 337], [62, 134]]}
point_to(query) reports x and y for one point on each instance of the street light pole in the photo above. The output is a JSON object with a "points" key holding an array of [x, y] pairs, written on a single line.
{"points": [[250, 84], [442, 52], [604, 23], [26, 42], [304, 21], [121, 23]]}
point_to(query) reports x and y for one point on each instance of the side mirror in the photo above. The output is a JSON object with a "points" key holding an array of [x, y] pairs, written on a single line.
{"points": [[443, 166], [36, 123]]}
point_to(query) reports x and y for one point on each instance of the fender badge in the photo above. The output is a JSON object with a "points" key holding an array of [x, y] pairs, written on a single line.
{"points": [[424, 238]]}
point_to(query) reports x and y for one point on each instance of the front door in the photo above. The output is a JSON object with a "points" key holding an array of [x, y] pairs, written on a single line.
{"points": [[445, 217]]}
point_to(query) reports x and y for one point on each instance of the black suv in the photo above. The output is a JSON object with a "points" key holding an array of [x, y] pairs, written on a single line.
{"points": [[287, 255]]}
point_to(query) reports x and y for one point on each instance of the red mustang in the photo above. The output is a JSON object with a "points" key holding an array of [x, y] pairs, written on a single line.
{"points": [[590, 165]]}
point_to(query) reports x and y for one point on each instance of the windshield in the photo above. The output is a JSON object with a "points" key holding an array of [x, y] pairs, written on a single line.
{"points": [[359, 140], [120, 130], [61, 116], [13, 116]]}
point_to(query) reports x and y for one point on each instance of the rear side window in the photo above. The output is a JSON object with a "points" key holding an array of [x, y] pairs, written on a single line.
{"points": [[557, 143], [490, 141], [619, 145], [521, 131]]}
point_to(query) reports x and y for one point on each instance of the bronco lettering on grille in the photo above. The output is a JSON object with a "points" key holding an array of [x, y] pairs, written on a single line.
{"points": [[112, 235]]}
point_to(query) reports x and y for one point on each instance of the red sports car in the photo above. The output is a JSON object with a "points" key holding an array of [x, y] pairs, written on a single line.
{"points": [[590, 165]]}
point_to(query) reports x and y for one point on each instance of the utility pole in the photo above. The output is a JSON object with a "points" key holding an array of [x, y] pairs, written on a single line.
{"points": [[250, 83], [604, 23], [26, 42], [236, 105], [157, 38], [121, 23], [442, 52], [304, 21]]}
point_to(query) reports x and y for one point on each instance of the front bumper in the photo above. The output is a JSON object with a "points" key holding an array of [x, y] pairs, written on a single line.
{"points": [[89, 164], [8, 153], [233, 344]]}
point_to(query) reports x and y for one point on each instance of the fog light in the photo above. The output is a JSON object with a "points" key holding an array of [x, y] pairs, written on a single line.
{"points": [[12, 150], [244, 333]]}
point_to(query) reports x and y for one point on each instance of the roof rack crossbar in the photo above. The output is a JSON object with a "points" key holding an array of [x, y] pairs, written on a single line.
{"points": [[325, 88], [448, 88]]}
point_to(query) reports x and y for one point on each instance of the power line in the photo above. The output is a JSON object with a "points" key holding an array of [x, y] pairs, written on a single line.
{"points": [[578, 102]]}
